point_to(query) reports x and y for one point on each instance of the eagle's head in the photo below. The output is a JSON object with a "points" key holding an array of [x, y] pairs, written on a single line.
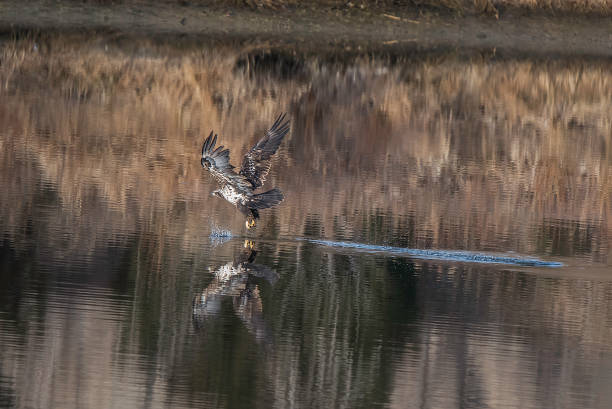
{"points": [[206, 163]]}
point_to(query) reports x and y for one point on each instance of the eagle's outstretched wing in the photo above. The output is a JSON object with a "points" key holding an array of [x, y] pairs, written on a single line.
{"points": [[256, 163], [218, 164]]}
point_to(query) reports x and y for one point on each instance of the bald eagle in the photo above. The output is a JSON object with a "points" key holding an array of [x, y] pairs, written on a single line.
{"points": [[239, 188]]}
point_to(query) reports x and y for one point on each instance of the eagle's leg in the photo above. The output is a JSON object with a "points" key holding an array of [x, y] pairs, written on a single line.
{"points": [[250, 221]]}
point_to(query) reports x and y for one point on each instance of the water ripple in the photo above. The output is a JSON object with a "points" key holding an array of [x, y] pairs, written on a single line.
{"points": [[446, 255]]}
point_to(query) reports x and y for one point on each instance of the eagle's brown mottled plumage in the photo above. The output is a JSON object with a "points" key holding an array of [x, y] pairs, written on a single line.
{"points": [[239, 188]]}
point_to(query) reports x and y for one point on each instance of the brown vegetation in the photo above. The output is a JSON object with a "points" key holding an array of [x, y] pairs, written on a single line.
{"points": [[600, 7]]}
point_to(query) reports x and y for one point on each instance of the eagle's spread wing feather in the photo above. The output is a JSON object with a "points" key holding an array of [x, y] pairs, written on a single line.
{"points": [[256, 163], [217, 161]]}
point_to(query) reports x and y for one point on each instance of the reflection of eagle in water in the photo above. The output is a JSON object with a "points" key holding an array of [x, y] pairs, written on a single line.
{"points": [[236, 280], [239, 188]]}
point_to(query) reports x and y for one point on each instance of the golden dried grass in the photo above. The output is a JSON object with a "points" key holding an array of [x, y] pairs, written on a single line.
{"points": [[600, 7]]}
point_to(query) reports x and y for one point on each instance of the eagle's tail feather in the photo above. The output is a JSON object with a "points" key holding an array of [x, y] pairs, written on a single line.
{"points": [[266, 199]]}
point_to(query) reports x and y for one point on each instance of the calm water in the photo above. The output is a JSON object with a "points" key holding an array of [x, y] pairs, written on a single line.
{"points": [[393, 275]]}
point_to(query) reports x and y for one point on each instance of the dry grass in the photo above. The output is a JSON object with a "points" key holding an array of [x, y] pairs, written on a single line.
{"points": [[574, 6], [596, 7]]}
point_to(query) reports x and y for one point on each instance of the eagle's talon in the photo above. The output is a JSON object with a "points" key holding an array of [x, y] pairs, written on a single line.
{"points": [[248, 244]]}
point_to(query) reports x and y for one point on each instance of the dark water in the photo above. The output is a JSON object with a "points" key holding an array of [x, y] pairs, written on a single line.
{"points": [[445, 240]]}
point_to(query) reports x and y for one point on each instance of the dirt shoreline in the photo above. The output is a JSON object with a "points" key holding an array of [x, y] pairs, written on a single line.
{"points": [[323, 28]]}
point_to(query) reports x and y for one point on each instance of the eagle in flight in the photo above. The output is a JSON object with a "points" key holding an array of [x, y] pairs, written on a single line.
{"points": [[239, 188]]}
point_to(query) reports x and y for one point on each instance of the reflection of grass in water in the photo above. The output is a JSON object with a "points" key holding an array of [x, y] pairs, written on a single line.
{"points": [[524, 140], [127, 131]]}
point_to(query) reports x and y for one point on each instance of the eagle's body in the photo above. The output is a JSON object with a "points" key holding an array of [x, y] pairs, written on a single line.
{"points": [[239, 188], [231, 194]]}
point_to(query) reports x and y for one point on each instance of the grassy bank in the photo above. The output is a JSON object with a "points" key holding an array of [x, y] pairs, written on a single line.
{"points": [[382, 26], [490, 7]]}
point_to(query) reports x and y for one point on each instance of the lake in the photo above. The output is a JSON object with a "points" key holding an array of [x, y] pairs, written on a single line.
{"points": [[445, 239]]}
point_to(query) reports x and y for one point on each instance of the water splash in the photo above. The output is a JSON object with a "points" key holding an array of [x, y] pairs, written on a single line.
{"points": [[219, 236], [446, 255]]}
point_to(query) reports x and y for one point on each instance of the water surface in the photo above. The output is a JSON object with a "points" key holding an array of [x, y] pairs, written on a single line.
{"points": [[117, 290]]}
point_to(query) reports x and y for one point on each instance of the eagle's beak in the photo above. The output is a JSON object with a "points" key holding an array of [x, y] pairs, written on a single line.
{"points": [[250, 223]]}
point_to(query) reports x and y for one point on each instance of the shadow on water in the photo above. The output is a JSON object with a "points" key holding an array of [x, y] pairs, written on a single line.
{"points": [[122, 282]]}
